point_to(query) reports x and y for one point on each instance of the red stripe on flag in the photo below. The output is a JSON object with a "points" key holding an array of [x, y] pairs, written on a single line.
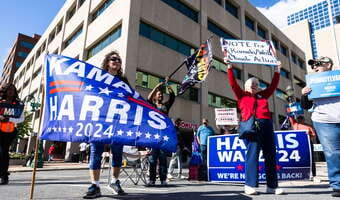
{"points": [[54, 83], [64, 89], [144, 104]]}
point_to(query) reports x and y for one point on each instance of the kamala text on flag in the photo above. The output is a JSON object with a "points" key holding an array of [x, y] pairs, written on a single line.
{"points": [[84, 103], [198, 66]]}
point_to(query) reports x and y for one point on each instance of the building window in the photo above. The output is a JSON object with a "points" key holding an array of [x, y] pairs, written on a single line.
{"points": [[26, 44], [284, 73], [301, 64], [22, 54], [283, 50], [218, 1], [101, 9], [182, 8], [18, 64], [337, 19], [250, 23], [261, 32], [280, 94], [71, 12], [165, 39], [51, 36], [220, 101], [73, 36], [294, 58], [275, 43], [299, 82], [237, 73], [220, 66], [59, 27], [111, 37], [80, 3], [146, 80], [219, 31], [231, 8]]}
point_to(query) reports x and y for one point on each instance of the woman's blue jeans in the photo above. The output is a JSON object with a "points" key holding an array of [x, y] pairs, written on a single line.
{"points": [[265, 140], [329, 136]]}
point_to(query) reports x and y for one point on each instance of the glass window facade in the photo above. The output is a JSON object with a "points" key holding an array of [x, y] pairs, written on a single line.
{"points": [[294, 58], [22, 54], [284, 73], [250, 23], [275, 43], [165, 39], [101, 9], [182, 8], [283, 50], [146, 80], [71, 12], [261, 32], [280, 94], [218, 101], [111, 37], [73, 37], [218, 1], [299, 82], [219, 31], [18, 64], [26, 44], [231, 8]]}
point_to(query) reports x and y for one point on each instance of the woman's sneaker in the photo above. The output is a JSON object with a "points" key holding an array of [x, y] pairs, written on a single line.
{"points": [[93, 192], [276, 191], [117, 189], [249, 190]]}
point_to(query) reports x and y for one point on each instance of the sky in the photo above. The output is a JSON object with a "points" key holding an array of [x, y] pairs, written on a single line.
{"points": [[33, 16], [24, 16]]}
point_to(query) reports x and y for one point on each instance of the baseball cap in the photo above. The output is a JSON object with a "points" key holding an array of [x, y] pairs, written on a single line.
{"points": [[322, 59]]}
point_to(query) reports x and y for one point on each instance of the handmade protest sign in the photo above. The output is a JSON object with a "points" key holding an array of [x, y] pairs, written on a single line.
{"points": [[227, 155], [249, 51], [84, 103], [226, 116], [324, 84]]}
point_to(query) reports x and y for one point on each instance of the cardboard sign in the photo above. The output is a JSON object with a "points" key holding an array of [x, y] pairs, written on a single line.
{"points": [[249, 51], [226, 116]]}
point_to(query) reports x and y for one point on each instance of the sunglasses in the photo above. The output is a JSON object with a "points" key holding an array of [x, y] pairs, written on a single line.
{"points": [[116, 59]]}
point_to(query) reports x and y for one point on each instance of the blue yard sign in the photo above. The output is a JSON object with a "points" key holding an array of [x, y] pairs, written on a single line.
{"points": [[325, 84], [84, 103], [226, 157]]}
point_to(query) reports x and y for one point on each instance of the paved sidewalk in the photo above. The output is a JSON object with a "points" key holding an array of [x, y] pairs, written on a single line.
{"points": [[50, 166]]}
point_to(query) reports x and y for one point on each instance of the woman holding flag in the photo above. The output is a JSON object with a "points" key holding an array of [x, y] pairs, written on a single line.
{"points": [[112, 64], [252, 101]]}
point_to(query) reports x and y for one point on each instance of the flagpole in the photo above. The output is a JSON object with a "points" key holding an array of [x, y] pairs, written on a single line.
{"points": [[177, 69], [37, 139]]}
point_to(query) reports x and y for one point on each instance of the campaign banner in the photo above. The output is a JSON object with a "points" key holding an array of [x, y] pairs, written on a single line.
{"points": [[11, 110], [324, 84], [84, 103], [226, 116], [294, 109], [226, 157], [248, 51]]}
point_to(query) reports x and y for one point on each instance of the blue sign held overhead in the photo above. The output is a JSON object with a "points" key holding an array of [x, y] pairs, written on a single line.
{"points": [[84, 103], [324, 84], [226, 157]]}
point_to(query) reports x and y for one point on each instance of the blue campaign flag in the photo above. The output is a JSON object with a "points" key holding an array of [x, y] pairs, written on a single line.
{"points": [[324, 84], [84, 103], [294, 109], [226, 157]]}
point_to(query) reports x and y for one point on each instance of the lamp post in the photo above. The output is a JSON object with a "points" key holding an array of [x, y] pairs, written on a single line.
{"points": [[35, 105]]}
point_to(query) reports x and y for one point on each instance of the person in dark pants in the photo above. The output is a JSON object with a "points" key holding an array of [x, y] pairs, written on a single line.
{"points": [[157, 155], [253, 101], [8, 130]]}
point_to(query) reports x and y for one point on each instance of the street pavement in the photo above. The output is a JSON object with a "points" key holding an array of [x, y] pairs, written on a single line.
{"points": [[59, 180]]}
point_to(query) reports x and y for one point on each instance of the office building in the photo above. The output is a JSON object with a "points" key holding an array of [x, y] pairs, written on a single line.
{"points": [[153, 38]]}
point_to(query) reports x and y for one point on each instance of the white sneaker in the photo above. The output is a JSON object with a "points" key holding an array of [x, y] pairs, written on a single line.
{"points": [[276, 191], [169, 176], [249, 190]]}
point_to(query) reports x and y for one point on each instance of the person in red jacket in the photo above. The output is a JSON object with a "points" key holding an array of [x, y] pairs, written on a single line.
{"points": [[51, 152], [254, 99]]}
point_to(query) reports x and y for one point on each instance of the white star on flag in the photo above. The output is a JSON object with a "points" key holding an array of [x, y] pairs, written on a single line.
{"points": [[157, 136], [129, 133], [138, 133], [59, 129], [120, 95], [70, 130], [104, 91], [48, 130], [166, 138], [147, 135], [64, 129], [120, 132], [88, 88]]}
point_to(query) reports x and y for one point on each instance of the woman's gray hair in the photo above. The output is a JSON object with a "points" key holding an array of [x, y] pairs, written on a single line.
{"points": [[249, 82]]}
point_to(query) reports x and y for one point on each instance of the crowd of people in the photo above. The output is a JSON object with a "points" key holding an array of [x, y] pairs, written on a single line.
{"points": [[252, 101]]}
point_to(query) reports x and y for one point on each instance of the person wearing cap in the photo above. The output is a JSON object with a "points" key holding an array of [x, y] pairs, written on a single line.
{"points": [[326, 122]]}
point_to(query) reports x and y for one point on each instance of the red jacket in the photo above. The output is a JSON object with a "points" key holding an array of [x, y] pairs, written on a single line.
{"points": [[246, 101]]}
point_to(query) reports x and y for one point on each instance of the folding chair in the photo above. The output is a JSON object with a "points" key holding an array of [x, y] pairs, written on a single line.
{"points": [[135, 165]]}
